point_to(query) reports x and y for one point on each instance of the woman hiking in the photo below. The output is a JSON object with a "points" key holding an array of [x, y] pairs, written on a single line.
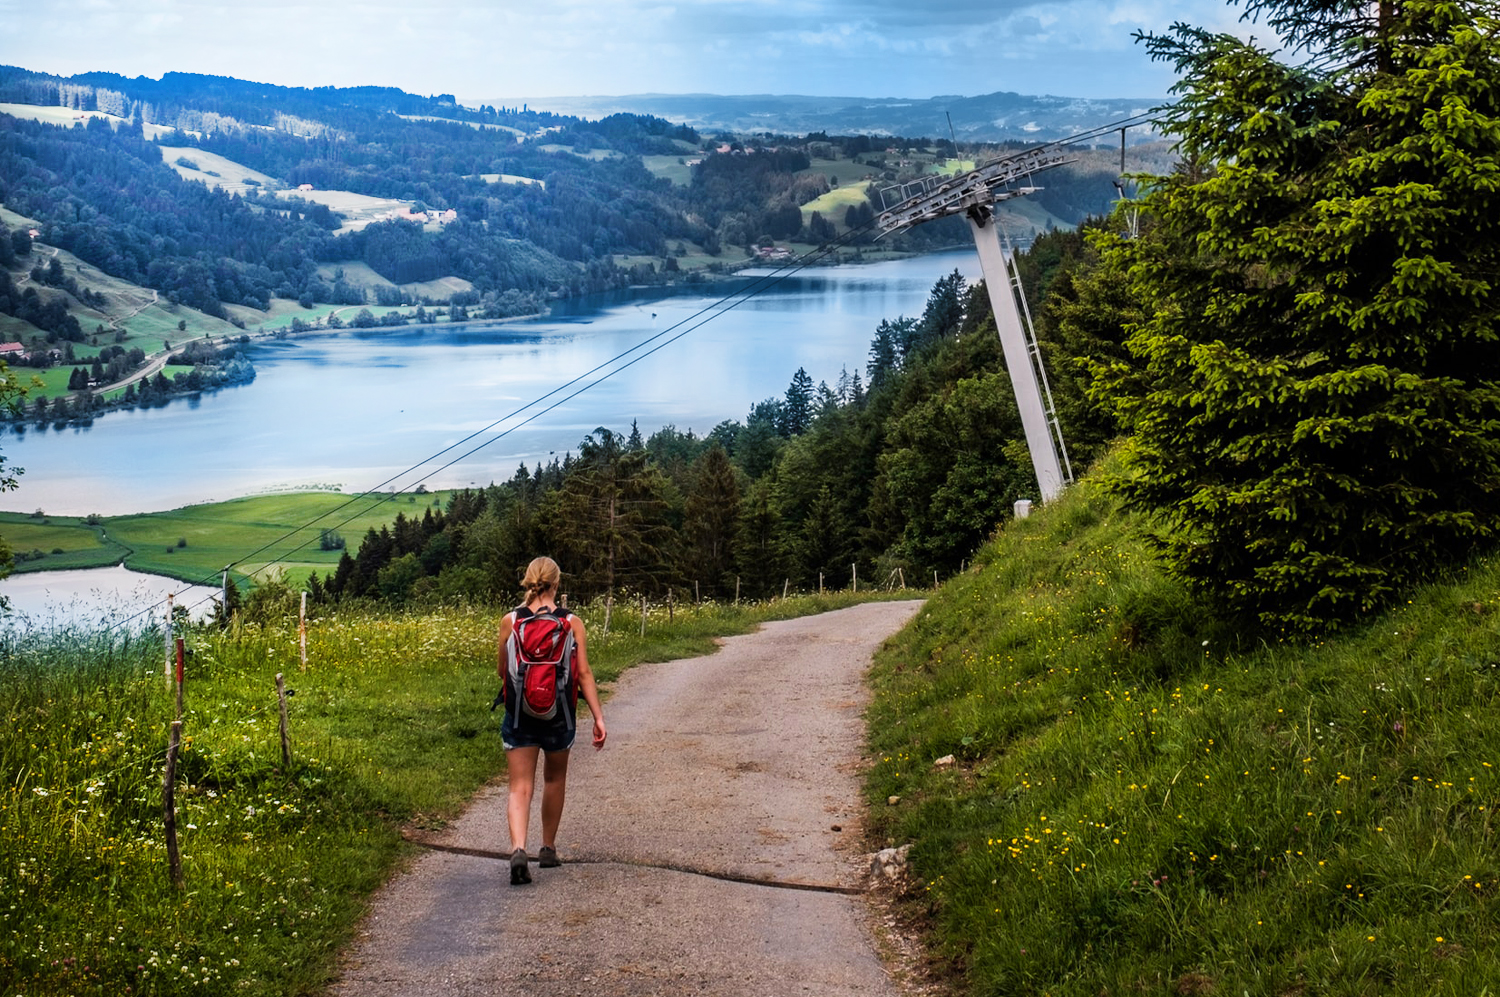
{"points": [[532, 726]]}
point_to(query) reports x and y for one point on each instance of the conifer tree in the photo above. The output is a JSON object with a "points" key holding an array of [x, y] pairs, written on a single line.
{"points": [[1315, 392], [712, 515]]}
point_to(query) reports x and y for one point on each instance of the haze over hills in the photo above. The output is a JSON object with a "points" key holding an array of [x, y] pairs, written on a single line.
{"points": [[995, 117]]}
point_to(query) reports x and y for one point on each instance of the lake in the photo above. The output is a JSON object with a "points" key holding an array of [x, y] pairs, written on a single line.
{"points": [[357, 409], [96, 598]]}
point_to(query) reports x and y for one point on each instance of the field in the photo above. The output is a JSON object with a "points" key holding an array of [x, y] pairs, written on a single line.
{"points": [[594, 154], [357, 210], [835, 203], [438, 290], [673, 168], [67, 116], [511, 178], [61, 541], [216, 534], [471, 124], [231, 175]]}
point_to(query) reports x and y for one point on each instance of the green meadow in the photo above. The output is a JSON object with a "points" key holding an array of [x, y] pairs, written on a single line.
{"points": [[1108, 790], [194, 543]]}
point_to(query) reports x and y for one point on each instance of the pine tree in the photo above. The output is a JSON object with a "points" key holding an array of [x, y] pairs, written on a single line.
{"points": [[711, 520], [1315, 391], [797, 410]]}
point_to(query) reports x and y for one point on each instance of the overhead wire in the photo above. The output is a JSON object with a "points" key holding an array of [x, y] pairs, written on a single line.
{"points": [[692, 323], [697, 320]]}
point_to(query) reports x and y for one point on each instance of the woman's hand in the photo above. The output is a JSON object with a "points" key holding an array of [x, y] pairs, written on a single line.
{"points": [[599, 733]]}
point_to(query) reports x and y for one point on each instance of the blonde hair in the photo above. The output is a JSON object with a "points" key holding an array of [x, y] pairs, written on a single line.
{"points": [[542, 575]]}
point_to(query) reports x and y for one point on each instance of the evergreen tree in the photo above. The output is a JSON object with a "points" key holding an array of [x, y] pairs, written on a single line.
{"points": [[757, 543], [1316, 384], [797, 410], [609, 519], [885, 354], [712, 515]]}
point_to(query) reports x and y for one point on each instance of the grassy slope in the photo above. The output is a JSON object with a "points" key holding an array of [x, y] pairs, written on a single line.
{"points": [[217, 533], [390, 729], [220, 532], [63, 541], [1140, 806]]}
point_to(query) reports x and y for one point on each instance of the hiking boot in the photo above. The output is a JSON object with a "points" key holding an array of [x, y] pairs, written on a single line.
{"points": [[519, 871], [547, 858]]}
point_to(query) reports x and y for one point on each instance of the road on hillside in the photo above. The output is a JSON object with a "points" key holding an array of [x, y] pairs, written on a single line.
{"points": [[713, 848]]}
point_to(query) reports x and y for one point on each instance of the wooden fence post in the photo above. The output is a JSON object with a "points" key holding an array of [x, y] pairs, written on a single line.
{"points": [[934, 580], [167, 630], [302, 631], [286, 736], [820, 583], [670, 616], [697, 596], [180, 654], [169, 804], [736, 590], [784, 583], [643, 616], [854, 576]]}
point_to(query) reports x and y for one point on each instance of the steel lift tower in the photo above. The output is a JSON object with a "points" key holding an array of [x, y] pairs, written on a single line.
{"points": [[974, 195]]}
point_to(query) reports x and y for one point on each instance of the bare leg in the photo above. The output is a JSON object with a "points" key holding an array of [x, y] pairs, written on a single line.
{"points": [[520, 765], [554, 788]]}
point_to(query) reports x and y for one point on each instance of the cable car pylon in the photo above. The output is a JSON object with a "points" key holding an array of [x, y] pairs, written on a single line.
{"points": [[974, 195]]}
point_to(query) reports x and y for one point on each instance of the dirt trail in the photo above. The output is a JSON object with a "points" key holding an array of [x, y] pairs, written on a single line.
{"points": [[711, 849]]}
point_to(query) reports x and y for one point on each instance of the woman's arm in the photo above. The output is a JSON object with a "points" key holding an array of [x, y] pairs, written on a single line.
{"points": [[586, 683], [507, 624]]}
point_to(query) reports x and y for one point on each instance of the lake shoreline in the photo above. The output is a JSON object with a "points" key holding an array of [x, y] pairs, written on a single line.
{"points": [[359, 411]]}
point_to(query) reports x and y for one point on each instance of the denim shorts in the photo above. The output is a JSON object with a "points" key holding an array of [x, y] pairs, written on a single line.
{"points": [[548, 737]]}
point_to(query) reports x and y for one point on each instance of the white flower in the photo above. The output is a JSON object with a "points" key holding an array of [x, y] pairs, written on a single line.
{"points": [[38, 790]]}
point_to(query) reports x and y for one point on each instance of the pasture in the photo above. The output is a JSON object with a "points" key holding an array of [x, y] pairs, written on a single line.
{"points": [[356, 210], [677, 169], [512, 178], [50, 543], [195, 542], [231, 176], [67, 116]]}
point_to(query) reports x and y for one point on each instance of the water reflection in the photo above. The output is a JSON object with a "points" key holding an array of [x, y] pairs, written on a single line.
{"points": [[42, 601]]}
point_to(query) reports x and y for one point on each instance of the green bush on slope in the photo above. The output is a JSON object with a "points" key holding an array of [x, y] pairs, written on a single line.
{"points": [[1140, 805]]}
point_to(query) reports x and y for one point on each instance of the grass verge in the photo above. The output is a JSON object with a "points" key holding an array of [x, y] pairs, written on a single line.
{"points": [[1140, 801], [390, 728]]}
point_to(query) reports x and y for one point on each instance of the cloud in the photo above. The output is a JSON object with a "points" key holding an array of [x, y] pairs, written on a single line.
{"points": [[493, 49]]}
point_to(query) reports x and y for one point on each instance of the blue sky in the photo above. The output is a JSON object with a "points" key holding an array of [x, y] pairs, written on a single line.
{"points": [[507, 49]]}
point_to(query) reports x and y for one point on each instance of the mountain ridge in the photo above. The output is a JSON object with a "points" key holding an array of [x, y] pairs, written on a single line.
{"points": [[995, 117]]}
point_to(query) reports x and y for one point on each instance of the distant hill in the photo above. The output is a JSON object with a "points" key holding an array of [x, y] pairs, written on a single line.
{"points": [[995, 117], [233, 198]]}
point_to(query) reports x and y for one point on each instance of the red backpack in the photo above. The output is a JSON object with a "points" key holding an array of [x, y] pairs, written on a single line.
{"points": [[539, 665]]}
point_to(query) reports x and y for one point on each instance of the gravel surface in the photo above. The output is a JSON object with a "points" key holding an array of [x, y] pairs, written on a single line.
{"points": [[712, 848]]}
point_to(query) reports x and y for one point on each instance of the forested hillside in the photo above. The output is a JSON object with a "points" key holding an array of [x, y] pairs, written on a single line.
{"points": [[541, 205]]}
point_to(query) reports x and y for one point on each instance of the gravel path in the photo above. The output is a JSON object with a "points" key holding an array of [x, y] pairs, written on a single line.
{"points": [[711, 849]]}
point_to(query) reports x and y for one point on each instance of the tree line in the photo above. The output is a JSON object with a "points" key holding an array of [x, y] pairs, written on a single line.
{"points": [[901, 469]]}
